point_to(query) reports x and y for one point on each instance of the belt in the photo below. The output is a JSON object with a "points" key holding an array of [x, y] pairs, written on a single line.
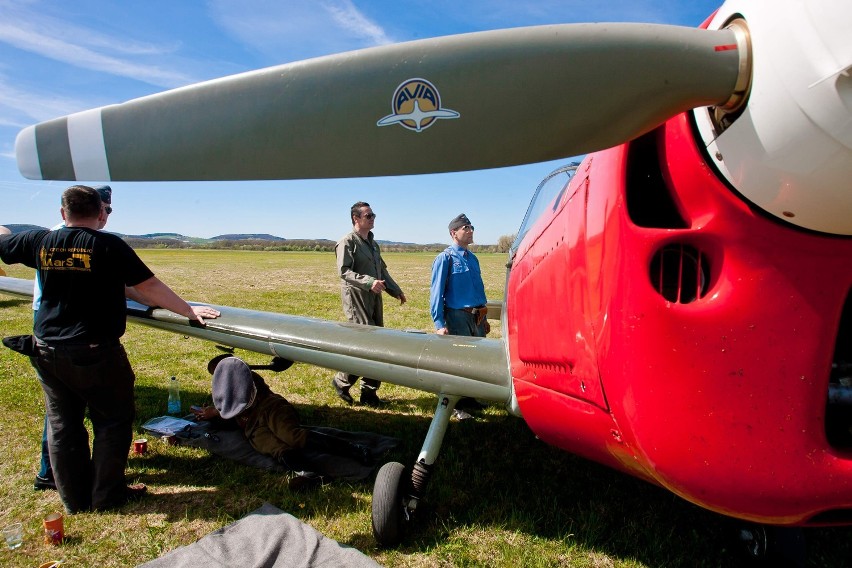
{"points": [[476, 311], [77, 346], [479, 313]]}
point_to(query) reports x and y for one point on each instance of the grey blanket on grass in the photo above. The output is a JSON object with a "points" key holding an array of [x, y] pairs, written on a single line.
{"points": [[232, 444], [265, 538]]}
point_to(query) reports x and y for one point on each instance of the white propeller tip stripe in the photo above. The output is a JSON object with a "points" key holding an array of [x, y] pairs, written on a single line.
{"points": [[27, 154], [86, 141]]}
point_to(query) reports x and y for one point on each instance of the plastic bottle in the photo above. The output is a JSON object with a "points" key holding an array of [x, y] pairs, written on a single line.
{"points": [[174, 396]]}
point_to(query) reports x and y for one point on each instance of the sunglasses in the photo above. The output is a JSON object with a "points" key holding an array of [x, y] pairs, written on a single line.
{"points": [[108, 209], [369, 215], [466, 228]]}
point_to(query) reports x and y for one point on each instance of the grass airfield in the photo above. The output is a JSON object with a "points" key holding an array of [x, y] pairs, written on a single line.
{"points": [[498, 497]]}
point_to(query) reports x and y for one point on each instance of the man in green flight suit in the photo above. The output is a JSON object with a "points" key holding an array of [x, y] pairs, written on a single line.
{"points": [[364, 276]]}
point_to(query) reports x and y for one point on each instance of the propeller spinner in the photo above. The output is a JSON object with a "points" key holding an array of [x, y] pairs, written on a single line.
{"points": [[789, 150]]}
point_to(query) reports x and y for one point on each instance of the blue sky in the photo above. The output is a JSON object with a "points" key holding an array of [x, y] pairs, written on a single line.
{"points": [[59, 57]]}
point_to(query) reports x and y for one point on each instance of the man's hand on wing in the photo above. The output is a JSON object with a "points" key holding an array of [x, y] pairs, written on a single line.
{"points": [[204, 312]]}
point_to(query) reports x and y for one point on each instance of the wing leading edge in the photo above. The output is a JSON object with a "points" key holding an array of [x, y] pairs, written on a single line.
{"points": [[465, 366]]}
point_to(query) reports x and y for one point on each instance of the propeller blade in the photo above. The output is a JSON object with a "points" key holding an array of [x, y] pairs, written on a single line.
{"points": [[473, 101]]}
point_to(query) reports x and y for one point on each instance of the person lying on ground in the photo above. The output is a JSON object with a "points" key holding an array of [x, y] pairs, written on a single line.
{"points": [[272, 425]]}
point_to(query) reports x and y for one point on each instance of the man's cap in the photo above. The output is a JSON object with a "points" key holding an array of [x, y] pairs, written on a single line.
{"points": [[233, 387], [105, 192], [214, 362], [278, 364], [459, 222]]}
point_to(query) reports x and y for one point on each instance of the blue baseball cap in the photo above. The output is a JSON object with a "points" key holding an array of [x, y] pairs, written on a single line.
{"points": [[105, 192]]}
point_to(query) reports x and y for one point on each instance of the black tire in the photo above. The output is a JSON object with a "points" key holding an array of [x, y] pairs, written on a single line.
{"points": [[387, 505], [774, 546], [754, 542]]}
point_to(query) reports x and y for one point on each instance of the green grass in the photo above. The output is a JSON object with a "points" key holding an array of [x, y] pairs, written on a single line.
{"points": [[499, 497]]}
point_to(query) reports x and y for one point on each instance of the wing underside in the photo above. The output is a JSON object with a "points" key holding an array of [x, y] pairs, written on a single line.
{"points": [[465, 366]]}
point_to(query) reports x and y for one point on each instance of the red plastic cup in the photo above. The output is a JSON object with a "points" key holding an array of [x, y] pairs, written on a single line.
{"points": [[54, 528], [140, 446]]}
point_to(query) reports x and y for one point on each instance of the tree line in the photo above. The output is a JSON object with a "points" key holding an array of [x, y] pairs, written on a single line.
{"points": [[315, 245]]}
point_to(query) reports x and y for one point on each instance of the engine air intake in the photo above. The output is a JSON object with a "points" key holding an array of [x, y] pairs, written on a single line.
{"points": [[680, 273]]}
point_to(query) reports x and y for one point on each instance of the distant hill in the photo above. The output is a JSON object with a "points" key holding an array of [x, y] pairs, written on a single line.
{"points": [[177, 236], [167, 236], [20, 228], [163, 237], [244, 237], [200, 240], [251, 241]]}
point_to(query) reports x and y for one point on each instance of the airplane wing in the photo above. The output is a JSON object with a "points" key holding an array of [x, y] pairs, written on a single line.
{"points": [[495, 309], [464, 366], [16, 286]]}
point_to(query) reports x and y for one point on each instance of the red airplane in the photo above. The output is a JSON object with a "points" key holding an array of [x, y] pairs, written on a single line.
{"points": [[677, 306]]}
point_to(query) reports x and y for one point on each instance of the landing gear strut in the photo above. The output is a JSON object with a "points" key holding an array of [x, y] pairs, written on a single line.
{"points": [[398, 490]]}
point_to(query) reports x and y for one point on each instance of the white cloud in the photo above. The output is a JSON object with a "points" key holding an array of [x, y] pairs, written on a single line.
{"points": [[37, 33], [19, 108], [290, 30], [347, 16]]}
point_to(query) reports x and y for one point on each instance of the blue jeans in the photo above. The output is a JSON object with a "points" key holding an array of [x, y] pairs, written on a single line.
{"points": [[45, 471], [460, 322]]}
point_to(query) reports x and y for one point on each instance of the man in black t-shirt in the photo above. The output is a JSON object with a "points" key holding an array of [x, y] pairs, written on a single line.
{"points": [[80, 359]]}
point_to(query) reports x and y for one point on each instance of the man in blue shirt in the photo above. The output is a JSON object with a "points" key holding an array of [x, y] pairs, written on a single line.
{"points": [[457, 294]]}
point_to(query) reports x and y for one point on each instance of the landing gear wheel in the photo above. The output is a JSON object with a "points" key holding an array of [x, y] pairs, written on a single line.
{"points": [[754, 541], [388, 508], [774, 546]]}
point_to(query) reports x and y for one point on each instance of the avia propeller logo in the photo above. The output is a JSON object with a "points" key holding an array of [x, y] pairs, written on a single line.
{"points": [[416, 105]]}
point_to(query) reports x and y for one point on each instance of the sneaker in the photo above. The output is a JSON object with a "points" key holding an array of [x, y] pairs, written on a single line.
{"points": [[132, 492], [44, 483], [136, 491], [370, 398], [343, 393], [461, 414], [305, 481]]}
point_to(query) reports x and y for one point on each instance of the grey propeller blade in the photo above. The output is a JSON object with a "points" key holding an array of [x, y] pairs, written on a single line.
{"points": [[465, 102]]}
